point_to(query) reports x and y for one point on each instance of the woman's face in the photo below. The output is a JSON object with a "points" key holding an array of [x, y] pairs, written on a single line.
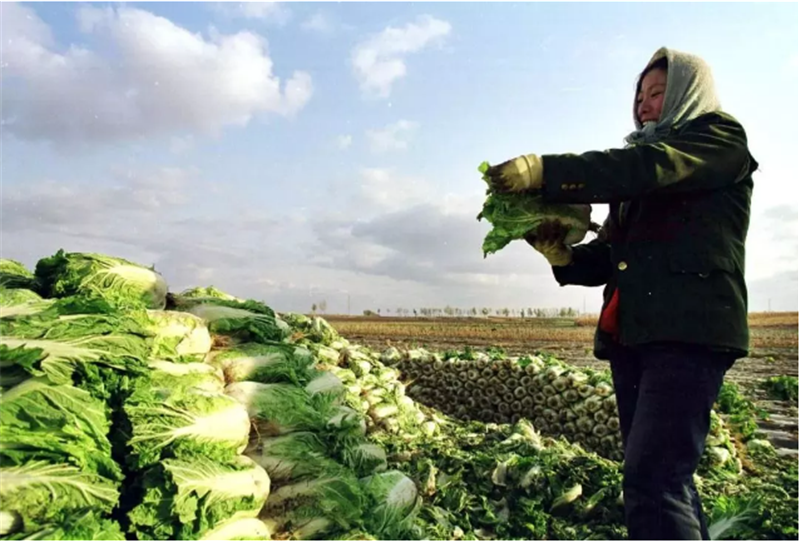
{"points": [[651, 97]]}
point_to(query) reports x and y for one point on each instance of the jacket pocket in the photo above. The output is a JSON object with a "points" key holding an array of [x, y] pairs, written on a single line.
{"points": [[700, 264]]}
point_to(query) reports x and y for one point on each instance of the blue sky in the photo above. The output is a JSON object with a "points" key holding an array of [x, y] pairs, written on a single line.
{"points": [[296, 152]]}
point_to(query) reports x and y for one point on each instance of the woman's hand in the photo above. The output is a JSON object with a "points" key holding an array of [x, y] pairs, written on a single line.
{"points": [[516, 175], [548, 239]]}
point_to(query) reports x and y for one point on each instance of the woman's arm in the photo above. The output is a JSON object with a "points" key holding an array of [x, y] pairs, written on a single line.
{"points": [[591, 263], [708, 154]]}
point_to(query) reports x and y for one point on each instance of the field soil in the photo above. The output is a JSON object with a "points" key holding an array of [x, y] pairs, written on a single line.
{"points": [[773, 349]]}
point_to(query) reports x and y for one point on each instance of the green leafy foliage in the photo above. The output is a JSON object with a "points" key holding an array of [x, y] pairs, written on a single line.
{"points": [[265, 363], [244, 321], [55, 461], [759, 506], [205, 292], [278, 408], [183, 500], [123, 284], [783, 388], [56, 423], [178, 335], [393, 506], [82, 525], [53, 346], [15, 275], [312, 508], [742, 412], [183, 422], [509, 482], [515, 215]]}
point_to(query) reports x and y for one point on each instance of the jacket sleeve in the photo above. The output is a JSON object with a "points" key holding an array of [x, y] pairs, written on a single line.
{"points": [[709, 153], [591, 263]]}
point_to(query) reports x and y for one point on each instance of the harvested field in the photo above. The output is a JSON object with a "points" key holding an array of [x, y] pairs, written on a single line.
{"points": [[774, 338], [773, 352]]}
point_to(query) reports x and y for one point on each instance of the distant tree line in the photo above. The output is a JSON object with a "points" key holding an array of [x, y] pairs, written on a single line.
{"points": [[428, 312], [485, 312]]}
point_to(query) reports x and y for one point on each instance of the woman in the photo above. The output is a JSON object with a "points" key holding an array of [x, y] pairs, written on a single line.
{"points": [[671, 256]]}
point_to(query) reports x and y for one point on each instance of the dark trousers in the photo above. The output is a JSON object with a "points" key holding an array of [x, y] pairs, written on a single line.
{"points": [[665, 394]]}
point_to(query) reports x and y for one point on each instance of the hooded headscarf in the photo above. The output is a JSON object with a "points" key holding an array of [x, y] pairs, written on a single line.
{"points": [[690, 93]]}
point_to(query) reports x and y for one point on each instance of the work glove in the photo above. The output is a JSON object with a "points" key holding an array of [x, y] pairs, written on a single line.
{"points": [[516, 175], [548, 238]]}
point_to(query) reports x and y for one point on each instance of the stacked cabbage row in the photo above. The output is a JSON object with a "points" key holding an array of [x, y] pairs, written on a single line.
{"points": [[559, 399], [126, 409]]}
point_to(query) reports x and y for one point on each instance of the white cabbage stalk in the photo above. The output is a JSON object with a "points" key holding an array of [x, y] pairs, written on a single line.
{"points": [[302, 529], [569, 496], [240, 529], [10, 522], [719, 455]]}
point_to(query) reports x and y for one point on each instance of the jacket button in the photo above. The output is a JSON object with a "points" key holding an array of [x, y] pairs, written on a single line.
{"points": [[622, 266]]}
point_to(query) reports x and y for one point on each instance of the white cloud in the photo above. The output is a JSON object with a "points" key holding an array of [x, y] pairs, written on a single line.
{"points": [[273, 12], [380, 60], [163, 78], [344, 141], [384, 190], [393, 137], [319, 22]]}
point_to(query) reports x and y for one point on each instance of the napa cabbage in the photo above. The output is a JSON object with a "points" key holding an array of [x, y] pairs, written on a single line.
{"points": [[516, 215], [239, 529], [314, 329], [247, 321], [394, 504], [207, 292], [120, 282], [19, 301], [310, 508], [15, 275], [73, 525], [166, 376], [265, 363], [58, 358], [185, 422], [184, 499], [178, 335], [38, 491], [292, 456], [280, 408], [57, 423]]}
